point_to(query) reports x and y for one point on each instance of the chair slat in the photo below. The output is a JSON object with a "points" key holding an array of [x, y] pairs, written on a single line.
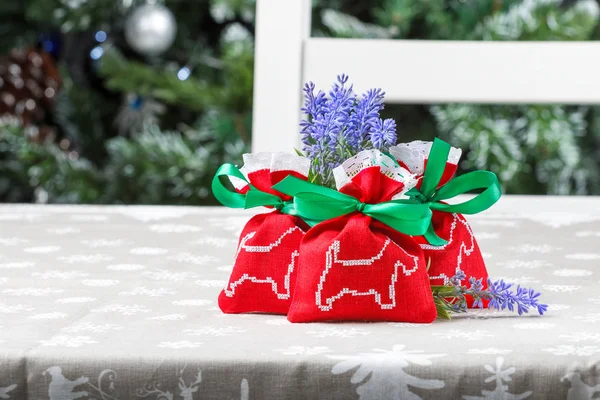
{"points": [[415, 71]]}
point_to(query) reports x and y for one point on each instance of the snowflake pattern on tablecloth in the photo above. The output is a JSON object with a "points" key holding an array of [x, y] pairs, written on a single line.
{"points": [[519, 280], [561, 288], [572, 272], [583, 256], [148, 251], [304, 350], [490, 351], [150, 292], [67, 341], [174, 228], [385, 372], [586, 234], [99, 243], [75, 300], [125, 267], [196, 259], [214, 241], [123, 309], [215, 331], [13, 241], [94, 328], [211, 283], [50, 315], [192, 302], [99, 282], [32, 291], [16, 265], [568, 349], [85, 258], [337, 332], [577, 337], [534, 248], [589, 318], [534, 325], [63, 231], [169, 276], [58, 274], [14, 308], [278, 322], [168, 317], [500, 376], [558, 307], [42, 249], [179, 345], [473, 335], [524, 264]]}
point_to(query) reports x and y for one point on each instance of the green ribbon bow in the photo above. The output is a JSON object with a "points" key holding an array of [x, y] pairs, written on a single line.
{"points": [[431, 196], [315, 204], [252, 198]]}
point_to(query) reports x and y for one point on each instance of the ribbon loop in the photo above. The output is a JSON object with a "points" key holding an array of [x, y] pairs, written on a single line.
{"points": [[315, 204], [252, 198], [430, 195]]}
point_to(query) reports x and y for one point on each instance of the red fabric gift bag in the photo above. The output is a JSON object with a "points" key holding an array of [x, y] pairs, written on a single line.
{"points": [[264, 270], [355, 267], [460, 252]]}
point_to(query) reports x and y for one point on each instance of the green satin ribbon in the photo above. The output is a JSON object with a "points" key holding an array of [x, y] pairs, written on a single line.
{"points": [[430, 195], [252, 198], [315, 204]]}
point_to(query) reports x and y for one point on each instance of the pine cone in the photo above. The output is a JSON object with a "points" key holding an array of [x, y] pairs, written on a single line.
{"points": [[29, 81]]}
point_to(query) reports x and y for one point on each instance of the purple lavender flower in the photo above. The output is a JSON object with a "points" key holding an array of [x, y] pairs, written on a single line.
{"points": [[364, 117], [502, 297], [383, 133], [337, 111], [314, 107], [499, 294], [337, 126], [458, 277]]}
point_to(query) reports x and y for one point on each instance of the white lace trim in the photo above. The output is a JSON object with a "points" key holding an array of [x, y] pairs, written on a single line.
{"points": [[271, 161], [256, 161], [239, 184], [414, 154], [290, 162], [344, 173]]}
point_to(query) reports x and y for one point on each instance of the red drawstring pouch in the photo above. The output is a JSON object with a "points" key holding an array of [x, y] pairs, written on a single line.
{"points": [[360, 263], [449, 245], [266, 260]]}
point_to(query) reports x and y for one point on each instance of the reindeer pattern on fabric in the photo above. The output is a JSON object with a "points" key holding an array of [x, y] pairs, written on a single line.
{"points": [[61, 388]]}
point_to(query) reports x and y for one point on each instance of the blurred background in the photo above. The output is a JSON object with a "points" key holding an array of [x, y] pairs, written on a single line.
{"points": [[139, 102]]}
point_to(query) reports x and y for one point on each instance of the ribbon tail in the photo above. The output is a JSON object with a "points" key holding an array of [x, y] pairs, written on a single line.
{"points": [[433, 238], [224, 195]]}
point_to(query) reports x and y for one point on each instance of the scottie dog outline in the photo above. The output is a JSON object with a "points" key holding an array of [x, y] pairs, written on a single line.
{"points": [[275, 282], [331, 258]]}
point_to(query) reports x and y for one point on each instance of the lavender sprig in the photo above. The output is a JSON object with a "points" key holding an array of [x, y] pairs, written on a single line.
{"points": [[364, 118], [451, 298], [323, 130], [338, 125], [383, 133]]}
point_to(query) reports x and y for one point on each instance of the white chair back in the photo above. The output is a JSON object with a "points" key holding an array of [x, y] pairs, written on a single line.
{"points": [[409, 71]]}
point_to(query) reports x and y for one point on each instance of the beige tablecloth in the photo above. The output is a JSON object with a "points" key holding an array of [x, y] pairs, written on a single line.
{"points": [[120, 303]]}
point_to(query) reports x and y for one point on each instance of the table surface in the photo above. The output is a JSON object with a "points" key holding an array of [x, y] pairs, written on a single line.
{"points": [[120, 303]]}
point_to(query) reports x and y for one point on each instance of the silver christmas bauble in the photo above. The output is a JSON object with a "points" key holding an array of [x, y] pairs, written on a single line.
{"points": [[151, 29]]}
